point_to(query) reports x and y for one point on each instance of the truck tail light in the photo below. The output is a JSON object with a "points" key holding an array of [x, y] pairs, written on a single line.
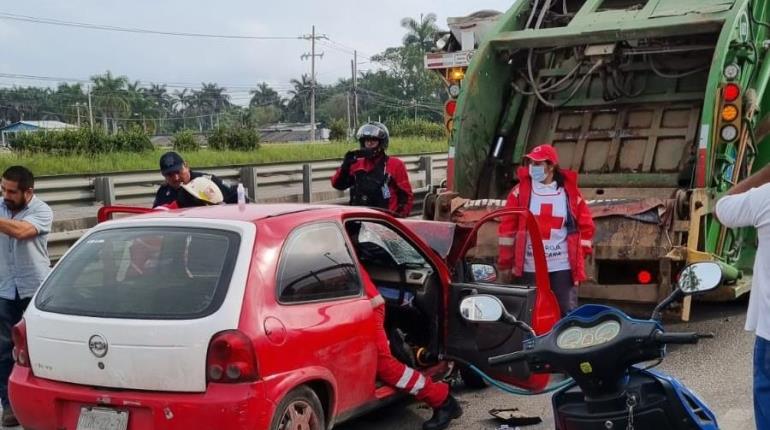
{"points": [[20, 348], [644, 277], [450, 107], [729, 113], [231, 358], [729, 133], [731, 92]]}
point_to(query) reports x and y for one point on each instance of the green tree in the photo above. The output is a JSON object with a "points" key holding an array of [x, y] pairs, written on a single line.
{"points": [[263, 115], [420, 33], [298, 107], [110, 99], [72, 102], [162, 104], [265, 96]]}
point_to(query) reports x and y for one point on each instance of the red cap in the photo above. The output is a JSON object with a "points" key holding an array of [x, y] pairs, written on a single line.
{"points": [[544, 153]]}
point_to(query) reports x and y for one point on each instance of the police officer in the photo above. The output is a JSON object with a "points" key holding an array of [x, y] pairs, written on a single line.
{"points": [[176, 173], [374, 178]]}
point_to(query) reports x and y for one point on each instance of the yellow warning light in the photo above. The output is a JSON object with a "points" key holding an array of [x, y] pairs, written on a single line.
{"points": [[456, 74], [729, 113]]}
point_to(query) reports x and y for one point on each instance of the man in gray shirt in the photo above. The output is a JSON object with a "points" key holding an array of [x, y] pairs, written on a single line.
{"points": [[25, 222]]}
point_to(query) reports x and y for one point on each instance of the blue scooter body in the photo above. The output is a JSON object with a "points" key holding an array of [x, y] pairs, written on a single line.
{"points": [[660, 401]]}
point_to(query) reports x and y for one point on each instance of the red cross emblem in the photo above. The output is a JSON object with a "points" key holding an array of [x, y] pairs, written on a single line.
{"points": [[547, 221]]}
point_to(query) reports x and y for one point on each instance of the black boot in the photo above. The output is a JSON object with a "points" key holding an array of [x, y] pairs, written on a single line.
{"points": [[443, 414]]}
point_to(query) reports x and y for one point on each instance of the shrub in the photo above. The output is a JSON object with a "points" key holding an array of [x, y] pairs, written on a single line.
{"points": [[185, 141], [419, 128], [338, 130], [131, 140], [82, 141], [234, 138]]}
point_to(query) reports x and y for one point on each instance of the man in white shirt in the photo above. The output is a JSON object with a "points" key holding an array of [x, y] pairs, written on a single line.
{"points": [[747, 204]]}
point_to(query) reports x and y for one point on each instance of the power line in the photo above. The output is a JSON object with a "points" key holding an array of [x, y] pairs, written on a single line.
{"points": [[90, 26], [144, 82]]}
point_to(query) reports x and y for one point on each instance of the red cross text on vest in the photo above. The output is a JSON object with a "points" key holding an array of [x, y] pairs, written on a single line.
{"points": [[547, 221]]}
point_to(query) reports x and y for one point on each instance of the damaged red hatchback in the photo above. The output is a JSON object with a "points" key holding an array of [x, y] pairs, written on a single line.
{"points": [[255, 318]]}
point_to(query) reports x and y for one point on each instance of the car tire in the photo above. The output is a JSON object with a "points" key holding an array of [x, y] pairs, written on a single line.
{"points": [[299, 410], [472, 379]]}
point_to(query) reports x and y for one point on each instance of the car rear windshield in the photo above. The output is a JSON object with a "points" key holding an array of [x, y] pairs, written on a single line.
{"points": [[143, 273]]}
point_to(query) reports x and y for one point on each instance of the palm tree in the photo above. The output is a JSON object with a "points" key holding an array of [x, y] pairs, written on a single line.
{"points": [[141, 105], [185, 104], [111, 98], [420, 33], [264, 96], [297, 108], [72, 101], [162, 102], [212, 99]]}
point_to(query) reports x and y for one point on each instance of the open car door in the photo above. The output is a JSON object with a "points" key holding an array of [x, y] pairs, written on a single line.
{"points": [[477, 270]]}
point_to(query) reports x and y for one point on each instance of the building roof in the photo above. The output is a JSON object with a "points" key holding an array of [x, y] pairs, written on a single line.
{"points": [[41, 125]]}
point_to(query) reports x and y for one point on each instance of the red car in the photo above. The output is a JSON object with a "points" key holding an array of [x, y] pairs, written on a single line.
{"points": [[254, 318]]}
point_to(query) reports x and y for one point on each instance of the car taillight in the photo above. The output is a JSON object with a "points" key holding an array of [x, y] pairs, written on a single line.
{"points": [[644, 277], [231, 358], [20, 349]]}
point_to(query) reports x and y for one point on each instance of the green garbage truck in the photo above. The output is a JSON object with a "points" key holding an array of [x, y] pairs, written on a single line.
{"points": [[659, 105]]}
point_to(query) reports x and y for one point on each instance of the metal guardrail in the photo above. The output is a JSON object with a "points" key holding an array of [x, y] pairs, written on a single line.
{"points": [[267, 183]]}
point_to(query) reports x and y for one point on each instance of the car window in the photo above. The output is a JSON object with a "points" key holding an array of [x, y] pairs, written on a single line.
{"points": [[374, 235], [147, 273], [316, 265]]}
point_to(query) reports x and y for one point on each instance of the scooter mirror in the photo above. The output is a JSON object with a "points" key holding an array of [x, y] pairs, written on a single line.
{"points": [[481, 308], [700, 277]]}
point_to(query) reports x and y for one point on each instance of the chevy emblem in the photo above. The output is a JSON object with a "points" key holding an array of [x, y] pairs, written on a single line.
{"points": [[98, 346]]}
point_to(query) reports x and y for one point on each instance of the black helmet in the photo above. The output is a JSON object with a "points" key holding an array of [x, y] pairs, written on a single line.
{"points": [[374, 130]]}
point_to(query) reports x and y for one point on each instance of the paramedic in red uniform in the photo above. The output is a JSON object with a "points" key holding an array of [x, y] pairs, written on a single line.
{"points": [[395, 373], [374, 178], [566, 226]]}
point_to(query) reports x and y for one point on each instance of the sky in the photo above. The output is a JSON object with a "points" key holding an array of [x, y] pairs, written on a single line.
{"points": [[75, 53]]}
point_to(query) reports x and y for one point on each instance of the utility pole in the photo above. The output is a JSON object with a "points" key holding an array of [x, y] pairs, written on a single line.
{"points": [[348, 103], [90, 109], [355, 90], [414, 103], [77, 106], [312, 56]]}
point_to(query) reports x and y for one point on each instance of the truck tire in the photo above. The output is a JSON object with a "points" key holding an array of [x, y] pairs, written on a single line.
{"points": [[472, 379], [299, 410]]}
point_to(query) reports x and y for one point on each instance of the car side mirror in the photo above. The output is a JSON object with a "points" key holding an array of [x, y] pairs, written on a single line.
{"points": [[700, 277], [482, 308]]}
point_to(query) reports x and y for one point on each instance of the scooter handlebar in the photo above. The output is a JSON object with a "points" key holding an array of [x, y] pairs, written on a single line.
{"points": [[680, 338], [507, 358]]}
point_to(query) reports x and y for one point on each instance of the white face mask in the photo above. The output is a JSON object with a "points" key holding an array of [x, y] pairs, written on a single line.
{"points": [[537, 173]]}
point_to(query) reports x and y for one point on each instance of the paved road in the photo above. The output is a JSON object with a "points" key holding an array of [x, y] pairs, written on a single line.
{"points": [[719, 370]]}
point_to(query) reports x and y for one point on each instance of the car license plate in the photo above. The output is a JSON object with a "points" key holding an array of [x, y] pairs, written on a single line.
{"points": [[102, 419]]}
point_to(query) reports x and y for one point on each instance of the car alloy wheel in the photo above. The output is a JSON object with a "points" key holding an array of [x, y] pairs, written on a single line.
{"points": [[299, 410]]}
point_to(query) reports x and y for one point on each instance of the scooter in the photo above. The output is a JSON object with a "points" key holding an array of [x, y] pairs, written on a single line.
{"points": [[601, 349]]}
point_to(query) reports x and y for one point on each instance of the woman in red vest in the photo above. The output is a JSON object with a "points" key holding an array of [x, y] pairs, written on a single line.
{"points": [[566, 226]]}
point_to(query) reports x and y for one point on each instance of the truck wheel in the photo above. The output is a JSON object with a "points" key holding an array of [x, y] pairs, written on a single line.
{"points": [[472, 379], [299, 410]]}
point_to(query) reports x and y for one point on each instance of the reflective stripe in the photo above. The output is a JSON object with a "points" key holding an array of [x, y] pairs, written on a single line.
{"points": [[405, 377], [505, 241], [377, 301], [585, 242], [418, 386]]}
